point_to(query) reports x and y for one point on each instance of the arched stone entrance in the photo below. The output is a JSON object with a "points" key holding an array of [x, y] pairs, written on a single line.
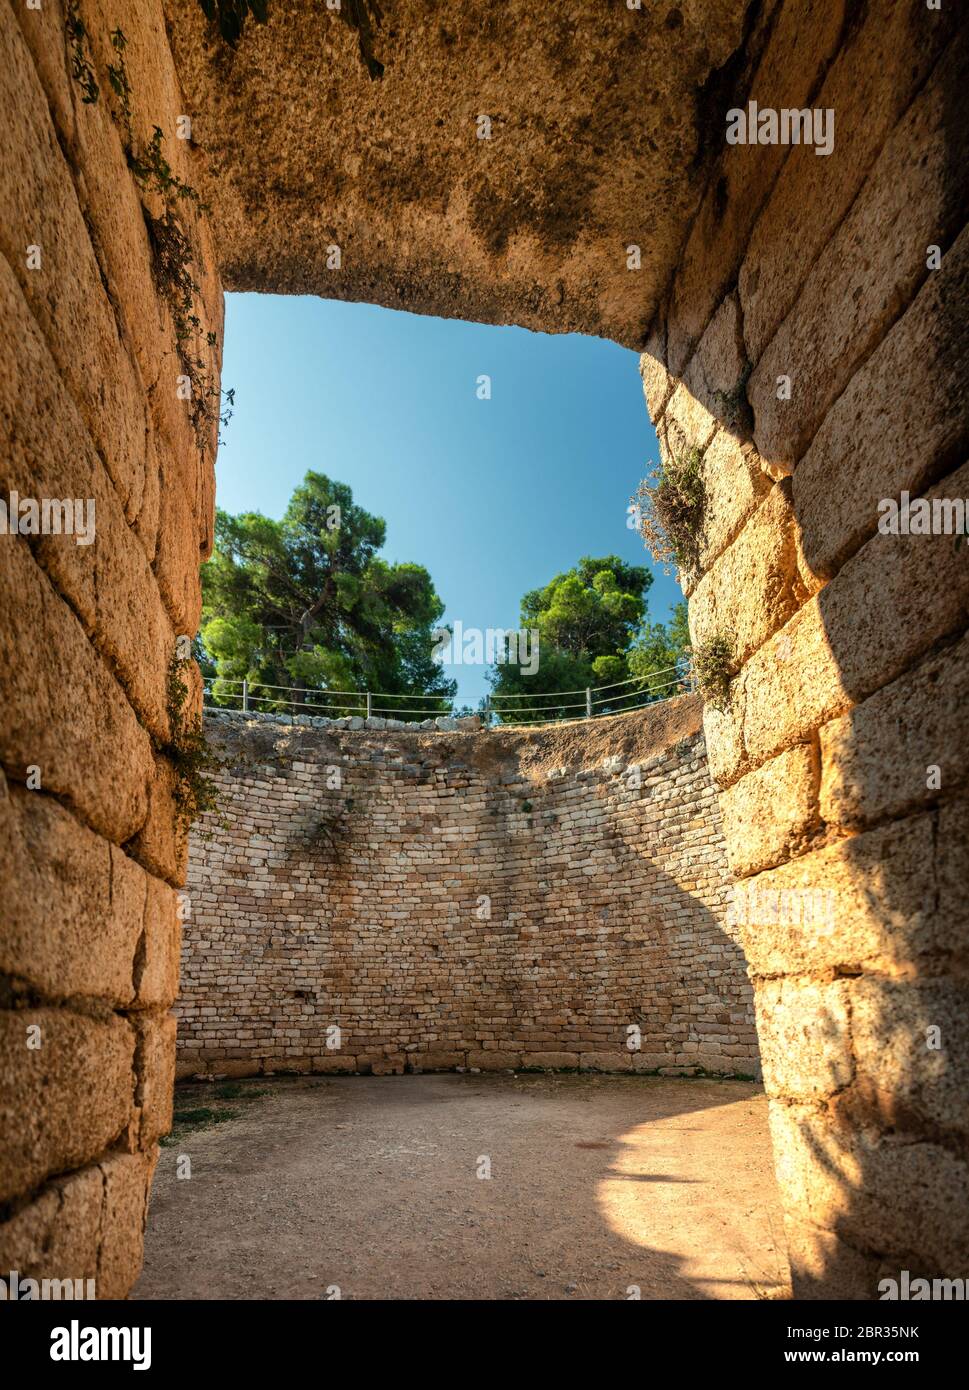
{"points": [[798, 311]]}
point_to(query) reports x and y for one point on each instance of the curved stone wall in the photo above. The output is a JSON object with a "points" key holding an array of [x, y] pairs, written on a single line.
{"points": [[375, 900]]}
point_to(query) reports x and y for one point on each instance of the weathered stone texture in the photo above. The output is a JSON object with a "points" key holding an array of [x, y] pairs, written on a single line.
{"points": [[89, 411], [840, 758], [451, 903], [597, 134]]}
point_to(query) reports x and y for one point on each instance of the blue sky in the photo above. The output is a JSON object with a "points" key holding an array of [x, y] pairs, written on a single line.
{"points": [[493, 496]]}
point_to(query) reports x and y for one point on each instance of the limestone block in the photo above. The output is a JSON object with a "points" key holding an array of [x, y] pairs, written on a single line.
{"points": [[108, 582], [606, 1061], [161, 844], [734, 485], [805, 1038], [771, 814], [900, 1198], [61, 702], [868, 902], [753, 588], [157, 982], [127, 1180], [910, 1043], [83, 1070], [872, 79], [553, 1060], [802, 40], [66, 293], [871, 269], [74, 903], [486, 1060], [877, 760], [877, 440], [155, 1071], [824, 1266], [56, 1236]]}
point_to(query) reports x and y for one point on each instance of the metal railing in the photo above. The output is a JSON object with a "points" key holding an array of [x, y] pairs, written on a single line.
{"points": [[510, 710]]}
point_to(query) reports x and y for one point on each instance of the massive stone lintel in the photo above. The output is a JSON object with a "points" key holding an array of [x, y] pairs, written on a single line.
{"points": [[601, 116]]}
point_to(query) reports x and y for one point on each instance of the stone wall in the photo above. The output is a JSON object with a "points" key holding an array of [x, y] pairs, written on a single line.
{"points": [[91, 410], [492, 899], [812, 348], [810, 343]]}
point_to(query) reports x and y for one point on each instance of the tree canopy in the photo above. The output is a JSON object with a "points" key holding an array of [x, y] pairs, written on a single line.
{"points": [[307, 602], [593, 631]]}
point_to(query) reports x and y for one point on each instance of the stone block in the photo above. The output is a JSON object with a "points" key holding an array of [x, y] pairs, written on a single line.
{"points": [[82, 1070], [875, 1191], [57, 1234], [155, 1073], [877, 441], [772, 813], [802, 39], [865, 903], [871, 269], [805, 1037], [910, 1044], [127, 1180], [52, 721], [823, 1266], [754, 587], [606, 1061], [878, 759], [554, 1061], [880, 66], [157, 979], [486, 1060], [74, 903]]}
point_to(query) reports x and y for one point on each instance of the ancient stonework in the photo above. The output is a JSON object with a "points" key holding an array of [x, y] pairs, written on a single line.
{"points": [[550, 898], [803, 323], [91, 410], [806, 348]]}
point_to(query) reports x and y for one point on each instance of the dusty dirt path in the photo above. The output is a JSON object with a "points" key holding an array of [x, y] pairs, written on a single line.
{"points": [[369, 1185]]}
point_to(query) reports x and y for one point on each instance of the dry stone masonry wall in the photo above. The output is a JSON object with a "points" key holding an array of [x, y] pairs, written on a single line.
{"points": [[812, 347], [809, 341], [379, 901], [89, 858]]}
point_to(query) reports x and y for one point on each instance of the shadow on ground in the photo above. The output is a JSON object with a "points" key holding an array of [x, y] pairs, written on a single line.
{"points": [[599, 1185]]}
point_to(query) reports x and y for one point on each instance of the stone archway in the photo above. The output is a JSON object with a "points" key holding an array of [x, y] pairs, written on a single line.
{"points": [[605, 200]]}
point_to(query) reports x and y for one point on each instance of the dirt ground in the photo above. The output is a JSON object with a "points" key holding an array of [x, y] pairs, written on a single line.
{"points": [[368, 1188]]}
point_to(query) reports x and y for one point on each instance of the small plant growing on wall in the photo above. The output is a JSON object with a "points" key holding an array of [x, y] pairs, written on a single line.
{"points": [[732, 406], [713, 664], [670, 504], [81, 69], [196, 790]]}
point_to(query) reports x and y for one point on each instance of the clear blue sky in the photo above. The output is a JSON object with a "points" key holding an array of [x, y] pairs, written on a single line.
{"points": [[494, 496]]}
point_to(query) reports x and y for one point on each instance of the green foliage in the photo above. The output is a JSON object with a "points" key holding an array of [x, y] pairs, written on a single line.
{"points": [[307, 602], [670, 503], [196, 790], [118, 78], [592, 628], [81, 69], [155, 174], [172, 258], [657, 647], [732, 406], [713, 664]]}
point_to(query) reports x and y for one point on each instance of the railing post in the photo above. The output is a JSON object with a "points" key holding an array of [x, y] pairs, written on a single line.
{"points": [[245, 697], [369, 704], [487, 712], [588, 703]]}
